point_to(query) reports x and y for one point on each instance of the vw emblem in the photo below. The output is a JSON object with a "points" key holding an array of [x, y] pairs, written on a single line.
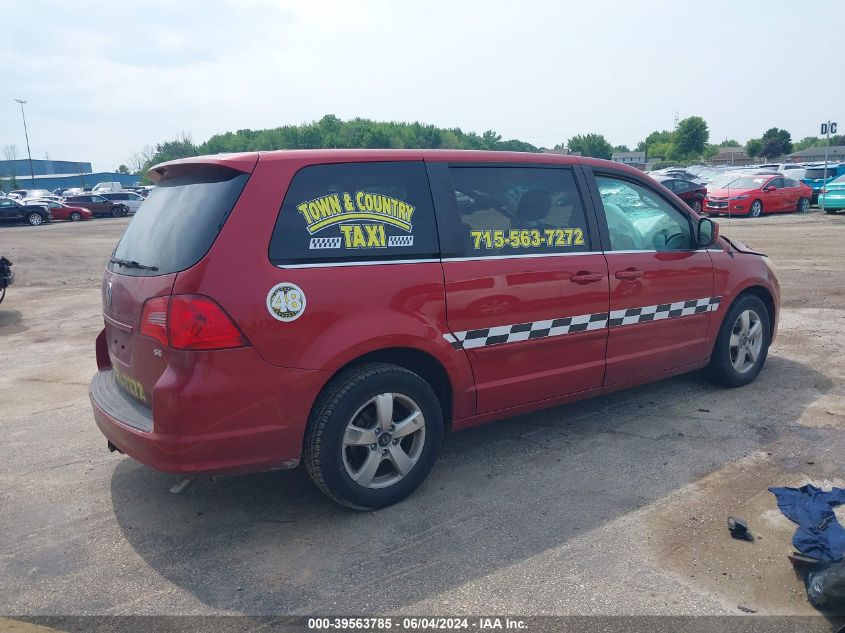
{"points": [[108, 294]]}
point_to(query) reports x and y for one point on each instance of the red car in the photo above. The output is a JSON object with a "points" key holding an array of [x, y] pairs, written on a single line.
{"points": [[756, 195], [693, 193], [63, 211], [346, 308]]}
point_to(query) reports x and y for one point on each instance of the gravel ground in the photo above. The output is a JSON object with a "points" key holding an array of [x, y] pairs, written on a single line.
{"points": [[611, 506]]}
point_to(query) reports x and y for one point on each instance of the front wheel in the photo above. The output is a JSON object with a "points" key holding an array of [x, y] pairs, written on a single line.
{"points": [[34, 219], [696, 206], [803, 205], [742, 344], [830, 211], [373, 436], [76, 216], [756, 209], [115, 212]]}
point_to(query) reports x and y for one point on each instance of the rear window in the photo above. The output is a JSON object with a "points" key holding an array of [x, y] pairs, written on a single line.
{"points": [[352, 212], [179, 221], [817, 173]]}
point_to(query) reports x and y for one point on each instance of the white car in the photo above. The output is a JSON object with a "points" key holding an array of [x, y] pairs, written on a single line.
{"points": [[129, 198], [102, 187]]}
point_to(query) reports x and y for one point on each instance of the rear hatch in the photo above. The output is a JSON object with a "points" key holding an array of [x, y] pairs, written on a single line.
{"points": [[173, 230]]}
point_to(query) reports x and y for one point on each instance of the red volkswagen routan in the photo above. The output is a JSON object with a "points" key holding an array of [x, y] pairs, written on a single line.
{"points": [[346, 308]]}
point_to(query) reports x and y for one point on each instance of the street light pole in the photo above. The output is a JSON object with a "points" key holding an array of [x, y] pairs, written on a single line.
{"points": [[26, 134]]}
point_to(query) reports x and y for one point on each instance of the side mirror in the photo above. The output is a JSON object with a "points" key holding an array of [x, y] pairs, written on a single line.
{"points": [[707, 232], [770, 188]]}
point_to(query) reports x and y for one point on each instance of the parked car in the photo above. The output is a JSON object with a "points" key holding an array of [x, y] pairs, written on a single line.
{"points": [[816, 177], [98, 205], [330, 306], [758, 194], [102, 187], [32, 213], [62, 211], [23, 194], [833, 195], [130, 199], [689, 191]]}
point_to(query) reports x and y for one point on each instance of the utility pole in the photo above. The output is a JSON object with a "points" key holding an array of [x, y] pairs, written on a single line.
{"points": [[26, 135]]}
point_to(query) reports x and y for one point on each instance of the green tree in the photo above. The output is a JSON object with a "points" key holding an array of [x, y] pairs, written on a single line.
{"points": [[754, 147], [775, 143], [662, 150], [729, 142], [621, 148], [712, 150], [594, 145], [123, 169], [691, 137], [655, 137]]}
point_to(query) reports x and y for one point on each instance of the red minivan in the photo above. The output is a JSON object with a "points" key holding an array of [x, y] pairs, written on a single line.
{"points": [[347, 308]]}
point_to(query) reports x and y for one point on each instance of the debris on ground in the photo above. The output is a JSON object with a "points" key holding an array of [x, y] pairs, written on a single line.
{"points": [[739, 529]]}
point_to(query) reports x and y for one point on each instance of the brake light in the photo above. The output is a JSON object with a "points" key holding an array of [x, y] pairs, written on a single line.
{"points": [[190, 322], [154, 319], [197, 322]]}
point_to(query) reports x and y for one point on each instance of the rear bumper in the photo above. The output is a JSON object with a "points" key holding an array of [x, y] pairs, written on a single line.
{"points": [[211, 423]]}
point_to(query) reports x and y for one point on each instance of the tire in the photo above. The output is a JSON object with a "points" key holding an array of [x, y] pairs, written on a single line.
{"points": [[75, 216], [115, 212], [803, 205], [830, 211], [756, 209], [34, 219], [696, 206], [339, 458], [732, 363]]}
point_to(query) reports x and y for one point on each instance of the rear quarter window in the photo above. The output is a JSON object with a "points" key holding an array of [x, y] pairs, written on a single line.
{"points": [[179, 221], [356, 212]]}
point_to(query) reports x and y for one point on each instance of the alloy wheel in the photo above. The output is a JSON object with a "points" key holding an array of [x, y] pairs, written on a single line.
{"points": [[35, 220], [383, 440], [756, 209], [746, 341]]}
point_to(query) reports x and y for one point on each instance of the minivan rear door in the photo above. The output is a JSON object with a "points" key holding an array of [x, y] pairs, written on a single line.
{"points": [[174, 229], [527, 291]]}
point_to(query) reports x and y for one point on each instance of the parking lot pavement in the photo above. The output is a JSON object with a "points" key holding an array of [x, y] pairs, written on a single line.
{"points": [[615, 505]]}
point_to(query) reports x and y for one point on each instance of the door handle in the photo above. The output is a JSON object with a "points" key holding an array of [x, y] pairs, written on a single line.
{"points": [[584, 277], [629, 274]]}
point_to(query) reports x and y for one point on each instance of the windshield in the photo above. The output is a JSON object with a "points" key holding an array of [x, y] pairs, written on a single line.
{"points": [[179, 221], [747, 182]]}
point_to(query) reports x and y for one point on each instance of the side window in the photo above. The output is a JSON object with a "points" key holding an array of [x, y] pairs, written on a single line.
{"points": [[789, 182], [350, 212], [776, 182], [518, 211], [681, 186], [639, 219]]}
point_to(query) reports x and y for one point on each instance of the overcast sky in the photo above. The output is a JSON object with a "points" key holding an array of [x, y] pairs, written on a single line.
{"points": [[102, 80]]}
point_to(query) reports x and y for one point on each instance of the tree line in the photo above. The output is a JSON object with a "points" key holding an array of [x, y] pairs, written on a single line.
{"points": [[688, 142]]}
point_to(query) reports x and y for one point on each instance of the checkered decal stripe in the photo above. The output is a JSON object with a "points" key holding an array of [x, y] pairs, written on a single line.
{"points": [[585, 322], [663, 311], [324, 242], [400, 240]]}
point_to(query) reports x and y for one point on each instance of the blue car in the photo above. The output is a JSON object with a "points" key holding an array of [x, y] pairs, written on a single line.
{"points": [[814, 176]]}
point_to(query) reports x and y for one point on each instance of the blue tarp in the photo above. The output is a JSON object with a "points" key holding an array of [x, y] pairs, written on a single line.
{"points": [[819, 534]]}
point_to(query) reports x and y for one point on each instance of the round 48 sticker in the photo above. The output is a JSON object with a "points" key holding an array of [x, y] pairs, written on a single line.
{"points": [[286, 302]]}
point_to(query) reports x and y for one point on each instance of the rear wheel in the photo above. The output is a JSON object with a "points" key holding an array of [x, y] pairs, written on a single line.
{"points": [[830, 211], [696, 206], [75, 216], [34, 219], [742, 344], [803, 205], [756, 209], [373, 436]]}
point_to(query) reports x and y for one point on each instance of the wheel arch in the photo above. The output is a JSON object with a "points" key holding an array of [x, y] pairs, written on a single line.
{"points": [[761, 292], [422, 363]]}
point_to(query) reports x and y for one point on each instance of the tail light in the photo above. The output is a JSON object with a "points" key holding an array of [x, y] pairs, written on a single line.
{"points": [[190, 322]]}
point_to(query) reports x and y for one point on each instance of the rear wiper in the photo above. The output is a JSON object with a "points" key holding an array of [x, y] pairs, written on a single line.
{"points": [[128, 263]]}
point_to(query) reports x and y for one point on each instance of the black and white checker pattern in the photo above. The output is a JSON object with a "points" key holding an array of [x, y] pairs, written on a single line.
{"points": [[557, 327], [324, 242], [529, 331], [663, 311], [400, 240]]}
